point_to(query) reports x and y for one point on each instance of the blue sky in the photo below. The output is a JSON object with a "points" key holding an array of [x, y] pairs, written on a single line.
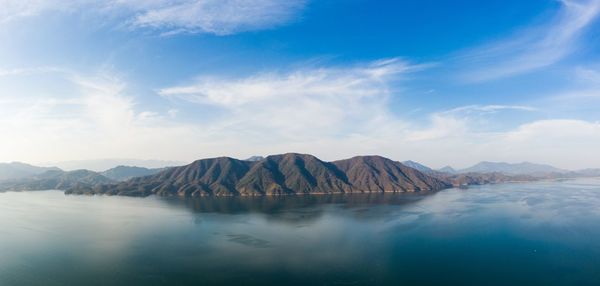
{"points": [[440, 82]]}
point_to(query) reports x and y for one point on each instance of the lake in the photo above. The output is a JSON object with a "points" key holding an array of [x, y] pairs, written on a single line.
{"points": [[540, 233]]}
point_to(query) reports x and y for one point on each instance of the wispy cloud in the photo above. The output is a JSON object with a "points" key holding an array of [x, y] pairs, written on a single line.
{"points": [[97, 120], [219, 17], [532, 48], [30, 71], [461, 121], [302, 104], [588, 75], [487, 109]]}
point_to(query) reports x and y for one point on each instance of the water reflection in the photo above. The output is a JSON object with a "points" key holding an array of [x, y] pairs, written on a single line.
{"points": [[297, 209], [510, 234], [273, 204]]}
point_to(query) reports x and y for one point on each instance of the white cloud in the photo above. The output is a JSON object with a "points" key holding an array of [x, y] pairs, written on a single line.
{"points": [[303, 104], [566, 143], [344, 111], [98, 121], [487, 109], [30, 71], [588, 75], [220, 17], [532, 49], [332, 112]]}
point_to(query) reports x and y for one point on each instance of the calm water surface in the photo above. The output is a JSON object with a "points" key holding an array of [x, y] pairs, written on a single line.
{"points": [[542, 233]]}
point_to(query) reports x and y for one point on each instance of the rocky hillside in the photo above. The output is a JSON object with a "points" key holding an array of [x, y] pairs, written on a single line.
{"points": [[379, 174], [275, 175]]}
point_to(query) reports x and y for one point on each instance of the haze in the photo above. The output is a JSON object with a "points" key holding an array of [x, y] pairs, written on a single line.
{"points": [[439, 83]]}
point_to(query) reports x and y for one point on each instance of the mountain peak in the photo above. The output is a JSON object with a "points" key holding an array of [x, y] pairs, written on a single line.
{"points": [[417, 166], [255, 158]]}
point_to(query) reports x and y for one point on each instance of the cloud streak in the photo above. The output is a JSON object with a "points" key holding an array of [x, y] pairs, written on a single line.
{"points": [[218, 17], [533, 48], [303, 104]]}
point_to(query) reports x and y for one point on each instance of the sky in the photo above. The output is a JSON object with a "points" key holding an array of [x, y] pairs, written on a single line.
{"points": [[438, 82]]}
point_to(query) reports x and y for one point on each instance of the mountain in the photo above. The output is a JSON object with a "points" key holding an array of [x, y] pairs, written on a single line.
{"points": [[216, 176], [466, 179], [101, 165], [379, 174], [16, 170], [255, 158], [588, 173], [448, 170], [274, 175], [55, 180], [293, 173], [417, 166], [524, 168], [123, 173]]}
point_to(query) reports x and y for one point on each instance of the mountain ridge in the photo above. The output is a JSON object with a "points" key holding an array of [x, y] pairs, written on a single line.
{"points": [[123, 173], [290, 173], [283, 174], [55, 180], [523, 168], [18, 170]]}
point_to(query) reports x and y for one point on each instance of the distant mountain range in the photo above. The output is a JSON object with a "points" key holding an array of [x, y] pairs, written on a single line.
{"points": [[55, 180], [123, 173], [274, 175], [524, 168], [418, 166], [101, 165], [16, 170], [448, 170]]}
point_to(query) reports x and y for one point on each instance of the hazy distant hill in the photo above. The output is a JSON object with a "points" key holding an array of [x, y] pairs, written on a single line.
{"points": [[589, 172], [16, 170], [417, 166], [448, 170], [123, 173], [278, 174], [101, 165], [466, 179], [55, 180], [524, 168], [255, 158]]}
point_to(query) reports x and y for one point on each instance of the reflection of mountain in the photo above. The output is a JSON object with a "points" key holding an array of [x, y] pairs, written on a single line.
{"points": [[275, 175], [290, 208]]}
